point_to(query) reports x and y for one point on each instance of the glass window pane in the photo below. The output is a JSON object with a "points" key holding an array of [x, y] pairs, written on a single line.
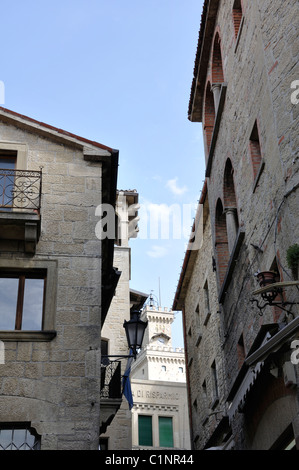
{"points": [[165, 432], [33, 304], [8, 303], [19, 436], [30, 439], [7, 163], [6, 182], [5, 439], [145, 430]]}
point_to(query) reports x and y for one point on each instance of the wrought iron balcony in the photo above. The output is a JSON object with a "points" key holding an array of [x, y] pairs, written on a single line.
{"points": [[111, 380], [20, 190], [20, 204], [111, 397]]}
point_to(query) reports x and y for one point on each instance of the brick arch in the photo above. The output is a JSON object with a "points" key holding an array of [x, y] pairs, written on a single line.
{"points": [[209, 115], [217, 69], [221, 241], [229, 194], [237, 16]]}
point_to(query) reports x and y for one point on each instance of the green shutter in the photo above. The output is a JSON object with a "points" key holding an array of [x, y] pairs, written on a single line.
{"points": [[165, 432], [145, 430]]}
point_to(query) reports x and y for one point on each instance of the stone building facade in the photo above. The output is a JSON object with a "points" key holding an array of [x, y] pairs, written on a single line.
{"points": [[158, 380], [157, 376], [56, 283], [196, 296], [245, 72], [116, 430]]}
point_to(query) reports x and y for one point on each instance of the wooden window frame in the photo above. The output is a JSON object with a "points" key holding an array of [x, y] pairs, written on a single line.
{"points": [[22, 276], [48, 333]]}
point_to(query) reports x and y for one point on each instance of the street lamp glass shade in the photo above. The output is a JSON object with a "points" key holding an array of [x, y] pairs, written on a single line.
{"points": [[135, 329]]}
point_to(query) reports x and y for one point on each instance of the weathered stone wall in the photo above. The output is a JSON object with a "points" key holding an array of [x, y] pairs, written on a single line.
{"points": [[203, 345], [259, 67], [55, 385], [119, 432]]}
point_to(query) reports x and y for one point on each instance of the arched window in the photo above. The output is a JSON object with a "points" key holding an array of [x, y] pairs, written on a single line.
{"points": [[255, 150], [209, 116], [217, 71], [237, 16], [230, 205], [221, 241]]}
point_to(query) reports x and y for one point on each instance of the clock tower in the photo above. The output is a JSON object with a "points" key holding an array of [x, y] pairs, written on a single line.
{"points": [[158, 331]]}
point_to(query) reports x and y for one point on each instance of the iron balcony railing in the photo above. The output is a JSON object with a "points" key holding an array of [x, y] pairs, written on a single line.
{"points": [[20, 190], [111, 380]]}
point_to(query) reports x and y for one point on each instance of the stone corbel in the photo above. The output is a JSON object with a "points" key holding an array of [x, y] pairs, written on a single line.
{"points": [[30, 237]]}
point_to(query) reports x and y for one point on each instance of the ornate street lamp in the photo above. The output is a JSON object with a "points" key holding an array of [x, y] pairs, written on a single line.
{"points": [[134, 329]]}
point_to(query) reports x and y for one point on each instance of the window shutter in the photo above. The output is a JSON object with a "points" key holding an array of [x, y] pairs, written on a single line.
{"points": [[165, 432]]}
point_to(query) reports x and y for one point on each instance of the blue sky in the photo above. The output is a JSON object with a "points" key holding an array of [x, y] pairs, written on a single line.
{"points": [[118, 72]]}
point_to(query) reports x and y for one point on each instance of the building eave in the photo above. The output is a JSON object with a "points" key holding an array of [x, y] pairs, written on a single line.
{"points": [[49, 131], [92, 152], [205, 38]]}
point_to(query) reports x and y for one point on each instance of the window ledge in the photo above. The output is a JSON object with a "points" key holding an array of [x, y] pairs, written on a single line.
{"points": [[239, 34], [216, 128], [215, 403], [231, 265], [199, 338], [205, 322], [205, 420], [260, 171], [47, 335]]}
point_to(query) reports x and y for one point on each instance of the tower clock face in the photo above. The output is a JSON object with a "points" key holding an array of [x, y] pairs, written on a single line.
{"points": [[161, 340]]}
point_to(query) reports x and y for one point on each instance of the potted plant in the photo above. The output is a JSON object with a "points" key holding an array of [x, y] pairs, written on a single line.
{"points": [[293, 259], [267, 277]]}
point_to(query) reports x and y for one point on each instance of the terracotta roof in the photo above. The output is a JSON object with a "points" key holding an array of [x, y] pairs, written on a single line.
{"points": [[61, 132], [205, 36], [197, 55]]}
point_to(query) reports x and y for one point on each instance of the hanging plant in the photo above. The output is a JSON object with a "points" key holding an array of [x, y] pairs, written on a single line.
{"points": [[293, 256], [293, 259]]}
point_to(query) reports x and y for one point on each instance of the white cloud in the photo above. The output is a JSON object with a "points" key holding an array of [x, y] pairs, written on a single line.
{"points": [[157, 251], [172, 185]]}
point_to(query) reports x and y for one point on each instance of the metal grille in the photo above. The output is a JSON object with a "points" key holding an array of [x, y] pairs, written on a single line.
{"points": [[20, 189], [111, 380], [18, 439]]}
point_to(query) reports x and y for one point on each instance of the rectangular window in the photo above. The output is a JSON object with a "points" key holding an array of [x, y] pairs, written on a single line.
{"points": [[22, 299], [241, 351], [145, 431], [255, 150], [7, 160], [204, 393], [214, 381], [104, 443], [206, 298], [165, 432], [207, 309]]}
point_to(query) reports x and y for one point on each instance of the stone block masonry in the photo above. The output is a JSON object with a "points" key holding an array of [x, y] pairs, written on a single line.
{"points": [[54, 385]]}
